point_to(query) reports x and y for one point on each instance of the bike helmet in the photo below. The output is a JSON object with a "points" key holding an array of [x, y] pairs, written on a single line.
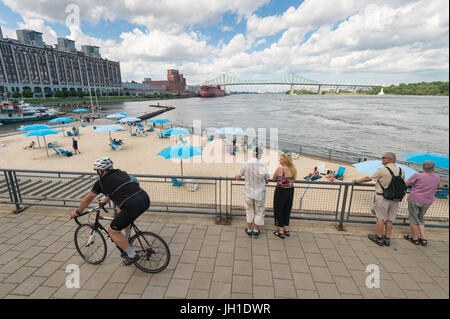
{"points": [[103, 163]]}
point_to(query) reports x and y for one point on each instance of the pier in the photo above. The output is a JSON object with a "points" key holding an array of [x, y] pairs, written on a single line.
{"points": [[163, 109]]}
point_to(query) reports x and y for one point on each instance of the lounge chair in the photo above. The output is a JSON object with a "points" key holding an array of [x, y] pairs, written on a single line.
{"points": [[315, 177], [56, 151], [321, 168], [442, 193], [66, 153], [150, 129], [340, 173], [115, 147], [210, 138], [70, 133], [250, 146], [177, 182]]}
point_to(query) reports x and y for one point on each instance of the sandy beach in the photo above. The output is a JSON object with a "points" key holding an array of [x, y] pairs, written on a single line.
{"points": [[138, 155]]}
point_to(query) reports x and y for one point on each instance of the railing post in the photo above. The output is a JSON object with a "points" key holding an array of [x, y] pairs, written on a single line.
{"points": [[340, 226], [14, 193]]}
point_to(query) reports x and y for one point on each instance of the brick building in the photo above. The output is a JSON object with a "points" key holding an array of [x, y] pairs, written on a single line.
{"points": [[175, 82]]}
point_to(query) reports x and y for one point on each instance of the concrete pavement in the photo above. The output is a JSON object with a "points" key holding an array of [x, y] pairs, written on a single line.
{"points": [[216, 261]]}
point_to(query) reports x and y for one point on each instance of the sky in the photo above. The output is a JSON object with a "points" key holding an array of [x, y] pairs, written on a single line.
{"points": [[376, 42]]}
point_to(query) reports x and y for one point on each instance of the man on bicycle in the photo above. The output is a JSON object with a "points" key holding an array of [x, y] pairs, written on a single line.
{"points": [[131, 201]]}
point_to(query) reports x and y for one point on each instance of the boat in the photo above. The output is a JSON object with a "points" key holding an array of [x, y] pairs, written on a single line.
{"points": [[211, 91], [16, 112], [381, 92]]}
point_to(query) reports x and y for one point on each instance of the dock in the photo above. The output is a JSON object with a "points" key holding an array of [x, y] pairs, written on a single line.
{"points": [[162, 109]]}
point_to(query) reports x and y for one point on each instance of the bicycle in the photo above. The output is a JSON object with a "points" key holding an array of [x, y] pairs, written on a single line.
{"points": [[153, 250]]}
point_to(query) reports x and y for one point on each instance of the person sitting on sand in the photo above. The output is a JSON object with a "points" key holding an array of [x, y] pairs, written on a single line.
{"points": [[330, 176], [314, 175], [29, 147], [117, 142]]}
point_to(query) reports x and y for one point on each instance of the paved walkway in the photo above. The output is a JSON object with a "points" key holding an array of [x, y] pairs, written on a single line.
{"points": [[211, 261]]}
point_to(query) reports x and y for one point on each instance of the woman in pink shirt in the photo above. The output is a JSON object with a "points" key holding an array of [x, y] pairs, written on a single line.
{"points": [[424, 186]]}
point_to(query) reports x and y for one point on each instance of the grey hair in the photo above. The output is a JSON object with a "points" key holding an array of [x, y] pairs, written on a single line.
{"points": [[428, 166], [391, 156]]}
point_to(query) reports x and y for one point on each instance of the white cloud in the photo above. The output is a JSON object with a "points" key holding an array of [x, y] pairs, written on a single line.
{"points": [[226, 28], [160, 14], [388, 39]]}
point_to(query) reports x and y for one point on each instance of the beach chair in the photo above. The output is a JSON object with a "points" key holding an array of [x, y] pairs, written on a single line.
{"points": [[250, 146], [151, 129], [70, 133], [56, 151], [132, 134], [183, 141], [177, 182], [442, 193], [210, 138], [115, 147], [66, 153], [321, 168], [340, 173]]}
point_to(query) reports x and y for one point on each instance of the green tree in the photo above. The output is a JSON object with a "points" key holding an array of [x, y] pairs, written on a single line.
{"points": [[17, 95], [27, 93]]}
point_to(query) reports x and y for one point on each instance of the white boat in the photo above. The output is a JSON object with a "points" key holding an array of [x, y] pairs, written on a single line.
{"points": [[16, 112]]}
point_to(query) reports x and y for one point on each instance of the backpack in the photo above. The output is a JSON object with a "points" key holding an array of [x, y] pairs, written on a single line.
{"points": [[397, 189]]}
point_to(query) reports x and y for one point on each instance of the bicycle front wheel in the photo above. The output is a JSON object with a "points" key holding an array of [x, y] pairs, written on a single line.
{"points": [[153, 250], [90, 244]]}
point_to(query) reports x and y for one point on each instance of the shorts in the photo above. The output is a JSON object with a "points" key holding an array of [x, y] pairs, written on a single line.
{"points": [[417, 212], [384, 209], [254, 210], [132, 209]]}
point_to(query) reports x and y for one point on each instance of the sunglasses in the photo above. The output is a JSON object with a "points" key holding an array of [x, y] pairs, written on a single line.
{"points": [[385, 157]]}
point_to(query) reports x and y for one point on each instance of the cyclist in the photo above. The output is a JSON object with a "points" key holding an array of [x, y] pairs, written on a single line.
{"points": [[131, 201]]}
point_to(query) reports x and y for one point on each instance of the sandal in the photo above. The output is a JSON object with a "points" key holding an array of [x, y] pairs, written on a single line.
{"points": [[286, 232], [409, 238], [281, 235], [423, 242]]}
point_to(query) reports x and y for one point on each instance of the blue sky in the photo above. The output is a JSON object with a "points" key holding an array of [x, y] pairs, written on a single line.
{"points": [[329, 41]]}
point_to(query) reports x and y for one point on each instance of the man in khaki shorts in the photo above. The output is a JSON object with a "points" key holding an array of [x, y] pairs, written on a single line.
{"points": [[384, 209]]}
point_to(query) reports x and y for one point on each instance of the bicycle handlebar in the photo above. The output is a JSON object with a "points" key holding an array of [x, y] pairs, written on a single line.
{"points": [[95, 209]]}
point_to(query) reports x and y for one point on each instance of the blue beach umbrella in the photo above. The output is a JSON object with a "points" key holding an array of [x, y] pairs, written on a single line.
{"points": [[123, 113], [43, 133], [439, 159], [369, 167], [160, 121], [230, 131], [180, 151], [156, 121], [115, 116], [61, 120], [130, 120], [109, 128], [176, 131], [80, 111], [34, 127]]}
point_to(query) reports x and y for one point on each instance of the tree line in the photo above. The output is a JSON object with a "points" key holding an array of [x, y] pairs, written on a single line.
{"points": [[422, 88]]}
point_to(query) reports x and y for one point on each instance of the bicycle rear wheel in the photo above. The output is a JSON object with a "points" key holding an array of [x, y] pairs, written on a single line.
{"points": [[153, 250], [90, 244]]}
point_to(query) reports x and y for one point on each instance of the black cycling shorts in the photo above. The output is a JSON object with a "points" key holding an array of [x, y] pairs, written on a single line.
{"points": [[132, 209]]}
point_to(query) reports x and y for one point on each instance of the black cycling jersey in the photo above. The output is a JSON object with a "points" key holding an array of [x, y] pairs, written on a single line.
{"points": [[117, 185]]}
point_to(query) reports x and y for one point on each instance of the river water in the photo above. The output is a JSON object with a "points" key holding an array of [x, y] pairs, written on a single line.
{"points": [[368, 125]]}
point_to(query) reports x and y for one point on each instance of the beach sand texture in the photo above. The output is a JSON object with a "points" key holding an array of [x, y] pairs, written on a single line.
{"points": [[138, 156]]}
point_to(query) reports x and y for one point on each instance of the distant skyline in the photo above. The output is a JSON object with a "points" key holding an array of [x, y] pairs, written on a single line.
{"points": [[348, 41]]}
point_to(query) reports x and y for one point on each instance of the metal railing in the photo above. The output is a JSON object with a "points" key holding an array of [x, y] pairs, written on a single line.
{"points": [[223, 197]]}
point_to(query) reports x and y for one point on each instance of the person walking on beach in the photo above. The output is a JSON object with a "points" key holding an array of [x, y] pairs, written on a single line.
{"points": [[131, 201], [285, 176], [75, 146], [256, 177], [424, 187], [385, 210]]}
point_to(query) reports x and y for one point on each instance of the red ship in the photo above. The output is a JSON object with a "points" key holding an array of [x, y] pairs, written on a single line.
{"points": [[211, 91]]}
